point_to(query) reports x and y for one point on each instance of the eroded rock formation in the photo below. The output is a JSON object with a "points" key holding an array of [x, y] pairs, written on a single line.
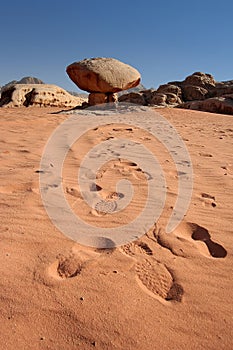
{"points": [[103, 77], [42, 95], [198, 91]]}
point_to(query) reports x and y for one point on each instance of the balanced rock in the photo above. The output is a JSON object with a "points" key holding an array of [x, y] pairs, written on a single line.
{"points": [[42, 95], [103, 75]]}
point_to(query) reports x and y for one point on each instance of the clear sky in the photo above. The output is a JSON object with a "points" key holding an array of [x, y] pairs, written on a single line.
{"points": [[164, 39]]}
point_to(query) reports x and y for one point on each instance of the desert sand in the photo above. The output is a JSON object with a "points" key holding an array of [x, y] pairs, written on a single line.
{"points": [[162, 291]]}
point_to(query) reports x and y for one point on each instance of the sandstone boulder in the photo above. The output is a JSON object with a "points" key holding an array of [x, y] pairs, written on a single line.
{"points": [[221, 88], [42, 95], [223, 105], [164, 99], [200, 79], [133, 97], [172, 99], [192, 92], [158, 99], [170, 88], [152, 97], [148, 95], [103, 75], [196, 86]]}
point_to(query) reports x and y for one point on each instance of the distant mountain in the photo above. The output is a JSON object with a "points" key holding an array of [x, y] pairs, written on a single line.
{"points": [[30, 80], [78, 94], [24, 80], [138, 88]]}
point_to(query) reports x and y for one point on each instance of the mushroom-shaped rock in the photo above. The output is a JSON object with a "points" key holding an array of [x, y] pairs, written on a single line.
{"points": [[103, 75]]}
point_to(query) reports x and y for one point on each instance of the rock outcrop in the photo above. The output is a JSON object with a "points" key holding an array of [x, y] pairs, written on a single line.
{"points": [[103, 76], [151, 98], [198, 91], [195, 86], [221, 88], [223, 105], [133, 97], [42, 95]]}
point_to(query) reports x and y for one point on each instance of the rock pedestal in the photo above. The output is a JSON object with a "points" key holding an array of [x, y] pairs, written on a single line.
{"points": [[96, 98]]}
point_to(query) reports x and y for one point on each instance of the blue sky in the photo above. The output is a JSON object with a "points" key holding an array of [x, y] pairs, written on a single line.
{"points": [[164, 40]]}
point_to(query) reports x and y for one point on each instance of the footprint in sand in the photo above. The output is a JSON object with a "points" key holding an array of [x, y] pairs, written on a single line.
{"points": [[125, 168], [153, 276], [73, 191], [208, 200], [199, 233], [24, 151], [180, 242], [178, 246], [104, 207], [208, 155], [128, 168], [68, 267], [157, 279], [228, 169], [73, 263], [136, 248], [108, 204], [206, 195], [122, 129]]}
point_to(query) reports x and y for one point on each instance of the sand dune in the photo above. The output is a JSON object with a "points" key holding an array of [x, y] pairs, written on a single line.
{"points": [[161, 291]]}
